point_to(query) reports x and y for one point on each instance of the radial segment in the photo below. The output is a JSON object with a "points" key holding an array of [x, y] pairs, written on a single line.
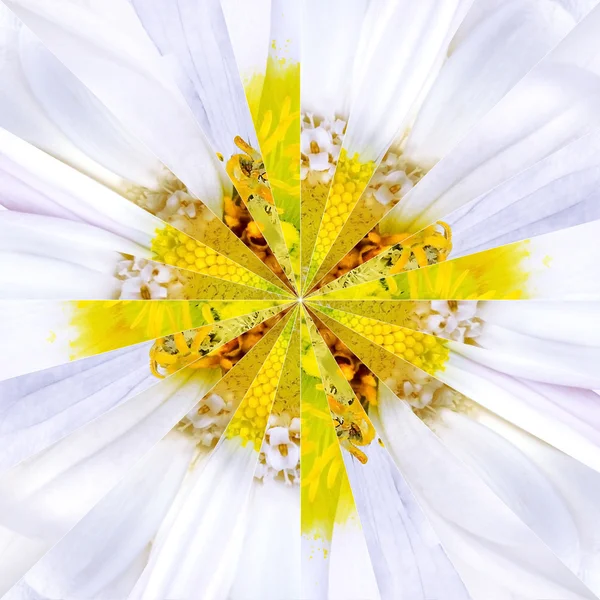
{"points": [[221, 493], [358, 238], [76, 392], [383, 497], [358, 230], [65, 331], [247, 171], [349, 182], [499, 373], [560, 581], [382, 254], [528, 269], [172, 407], [327, 506], [273, 92]]}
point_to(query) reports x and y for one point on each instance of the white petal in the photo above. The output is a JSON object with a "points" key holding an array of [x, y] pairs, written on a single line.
{"points": [[557, 192], [416, 35], [486, 58], [349, 550], [330, 31], [269, 564], [34, 277], [515, 480], [69, 241], [196, 554], [38, 496], [568, 322], [535, 358], [33, 181], [193, 36], [18, 554], [546, 412], [21, 321], [25, 114], [81, 118], [553, 105], [249, 27], [40, 408], [109, 539], [45, 496], [495, 553], [576, 483], [406, 554], [105, 46]]}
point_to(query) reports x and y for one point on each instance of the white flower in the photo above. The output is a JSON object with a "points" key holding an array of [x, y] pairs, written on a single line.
{"points": [[147, 280], [320, 145], [472, 475], [453, 320], [281, 453]]}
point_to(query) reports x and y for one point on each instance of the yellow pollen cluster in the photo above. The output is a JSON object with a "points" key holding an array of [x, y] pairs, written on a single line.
{"points": [[351, 178], [415, 246], [422, 350], [250, 419], [178, 249]]}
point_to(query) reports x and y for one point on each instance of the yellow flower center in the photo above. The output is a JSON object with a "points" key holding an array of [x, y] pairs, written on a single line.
{"points": [[351, 178], [175, 248], [250, 419], [420, 349]]}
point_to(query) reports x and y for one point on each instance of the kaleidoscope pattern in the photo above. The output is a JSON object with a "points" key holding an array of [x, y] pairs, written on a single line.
{"points": [[299, 299]]}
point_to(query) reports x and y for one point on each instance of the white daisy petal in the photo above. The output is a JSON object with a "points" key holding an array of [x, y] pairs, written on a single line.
{"points": [[535, 358], [44, 104], [576, 483], [495, 46], [24, 276], [398, 533], [272, 542], [328, 54], [552, 106], [416, 36], [557, 192], [81, 117], [106, 47], [349, 551], [547, 412], [101, 548], [197, 552], [568, 322], [249, 29], [69, 241], [460, 505], [33, 181], [204, 66], [514, 479], [43, 407], [44, 497]]}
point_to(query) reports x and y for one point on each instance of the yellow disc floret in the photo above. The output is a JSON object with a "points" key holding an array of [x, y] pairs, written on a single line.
{"points": [[175, 248], [250, 420], [427, 247], [350, 180], [420, 349]]}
